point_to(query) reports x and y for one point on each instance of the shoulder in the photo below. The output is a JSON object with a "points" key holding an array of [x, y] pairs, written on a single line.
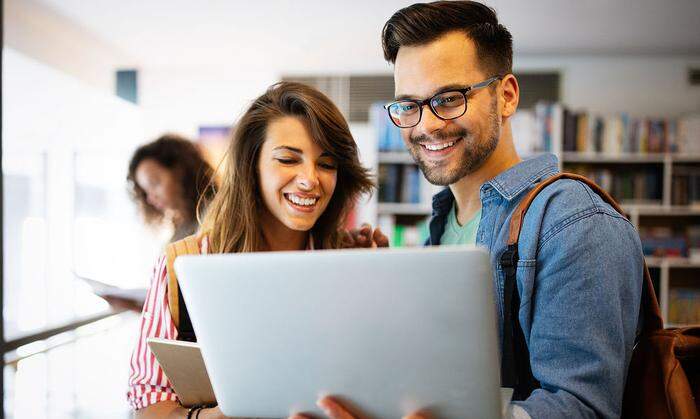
{"points": [[568, 196], [569, 202]]}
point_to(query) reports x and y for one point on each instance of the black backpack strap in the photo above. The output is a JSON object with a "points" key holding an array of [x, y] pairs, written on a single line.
{"points": [[516, 372], [190, 245], [185, 329]]}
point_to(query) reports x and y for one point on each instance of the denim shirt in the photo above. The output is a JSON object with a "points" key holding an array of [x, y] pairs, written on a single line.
{"points": [[579, 278]]}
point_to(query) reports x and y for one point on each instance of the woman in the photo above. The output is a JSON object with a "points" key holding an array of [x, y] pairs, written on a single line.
{"points": [[292, 174], [168, 178]]}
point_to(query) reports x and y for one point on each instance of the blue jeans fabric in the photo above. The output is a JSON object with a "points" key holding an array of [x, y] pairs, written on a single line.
{"points": [[579, 278]]}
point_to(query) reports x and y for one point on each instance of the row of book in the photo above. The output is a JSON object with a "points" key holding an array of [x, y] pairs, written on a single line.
{"points": [[668, 242], [388, 134], [685, 186], [684, 306], [403, 235], [640, 185], [399, 183], [552, 127]]}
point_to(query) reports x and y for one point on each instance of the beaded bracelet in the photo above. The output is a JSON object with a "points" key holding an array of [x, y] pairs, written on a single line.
{"points": [[192, 410]]}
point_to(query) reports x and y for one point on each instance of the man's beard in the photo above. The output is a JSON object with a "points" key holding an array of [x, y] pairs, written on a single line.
{"points": [[475, 151]]}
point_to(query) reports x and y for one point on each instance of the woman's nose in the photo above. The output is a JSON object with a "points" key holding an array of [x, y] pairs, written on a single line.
{"points": [[308, 179]]}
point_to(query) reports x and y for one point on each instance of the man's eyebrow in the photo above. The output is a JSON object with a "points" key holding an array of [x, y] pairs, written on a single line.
{"points": [[454, 86], [286, 147]]}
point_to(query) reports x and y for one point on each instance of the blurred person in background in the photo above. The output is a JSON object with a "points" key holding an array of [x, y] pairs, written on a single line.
{"points": [[170, 181], [168, 178]]}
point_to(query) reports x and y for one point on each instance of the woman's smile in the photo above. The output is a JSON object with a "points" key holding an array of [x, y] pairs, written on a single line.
{"points": [[302, 202]]}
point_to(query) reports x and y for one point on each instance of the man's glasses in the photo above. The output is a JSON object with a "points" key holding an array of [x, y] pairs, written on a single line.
{"points": [[445, 105]]}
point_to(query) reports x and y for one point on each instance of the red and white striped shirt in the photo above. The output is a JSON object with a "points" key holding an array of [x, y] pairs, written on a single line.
{"points": [[147, 382]]}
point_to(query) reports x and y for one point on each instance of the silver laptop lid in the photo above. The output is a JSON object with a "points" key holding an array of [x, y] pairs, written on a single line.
{"points": [[392, 330]]}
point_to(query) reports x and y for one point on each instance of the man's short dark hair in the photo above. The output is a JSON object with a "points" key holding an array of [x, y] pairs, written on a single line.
{"points": [[423, 23]]}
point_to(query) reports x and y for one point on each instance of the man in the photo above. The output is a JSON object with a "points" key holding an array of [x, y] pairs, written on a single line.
{"points": [[580, 272]]}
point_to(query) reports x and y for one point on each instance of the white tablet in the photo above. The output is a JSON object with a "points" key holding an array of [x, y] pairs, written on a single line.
{"points": [[391, 330]]}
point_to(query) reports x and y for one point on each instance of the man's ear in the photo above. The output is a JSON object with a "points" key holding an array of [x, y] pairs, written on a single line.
{"points": [[510, 94]]}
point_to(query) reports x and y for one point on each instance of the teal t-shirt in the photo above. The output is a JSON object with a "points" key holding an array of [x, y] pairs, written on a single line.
{"points": [[457, 234]]}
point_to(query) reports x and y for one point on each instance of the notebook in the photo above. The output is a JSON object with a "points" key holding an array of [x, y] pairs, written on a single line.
{"points": [[182, 363]]}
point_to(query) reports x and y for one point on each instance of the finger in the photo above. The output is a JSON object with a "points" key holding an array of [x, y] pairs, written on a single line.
{"points": [[333, 409], [362, 237], [414, 416], [379, 238], [346, 239], [298, 416]]}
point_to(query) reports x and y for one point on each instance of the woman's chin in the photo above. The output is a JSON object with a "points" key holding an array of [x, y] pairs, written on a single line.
{"points": [[302, 225]]}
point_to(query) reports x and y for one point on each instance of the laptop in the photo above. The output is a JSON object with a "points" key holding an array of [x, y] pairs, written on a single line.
{"points": [[392, 331]]}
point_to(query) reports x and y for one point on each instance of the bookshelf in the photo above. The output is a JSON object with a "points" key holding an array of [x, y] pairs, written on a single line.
{"points": [[651, 166]]}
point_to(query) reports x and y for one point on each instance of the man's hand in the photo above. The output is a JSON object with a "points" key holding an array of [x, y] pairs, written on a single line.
{"points": [[364, 237], [335, 410]]}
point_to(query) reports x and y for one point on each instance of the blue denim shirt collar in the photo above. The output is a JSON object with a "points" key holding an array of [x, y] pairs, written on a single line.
{"points": [[508, 184], [515, 180]]}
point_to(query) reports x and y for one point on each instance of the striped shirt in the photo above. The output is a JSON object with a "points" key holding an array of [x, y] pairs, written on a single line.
{"points": [[147, 382]]}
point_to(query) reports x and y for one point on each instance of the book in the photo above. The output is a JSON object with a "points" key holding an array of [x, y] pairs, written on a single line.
{"points": [[684, 305], [182, 363], [135, 295], [558, 128]]}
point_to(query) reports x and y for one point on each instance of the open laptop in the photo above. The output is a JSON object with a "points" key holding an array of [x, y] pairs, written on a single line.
{"points": [[390, 330]]}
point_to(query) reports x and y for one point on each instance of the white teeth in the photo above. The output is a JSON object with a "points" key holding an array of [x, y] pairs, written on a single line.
{"points": [[437, 147], [301, 201]]}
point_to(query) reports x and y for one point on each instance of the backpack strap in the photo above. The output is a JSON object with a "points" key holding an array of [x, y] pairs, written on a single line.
{"points": [[178, 311], [516, 369]]}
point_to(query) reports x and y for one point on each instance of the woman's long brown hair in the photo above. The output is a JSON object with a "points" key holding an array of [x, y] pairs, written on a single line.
{"points": [[233, 222]]}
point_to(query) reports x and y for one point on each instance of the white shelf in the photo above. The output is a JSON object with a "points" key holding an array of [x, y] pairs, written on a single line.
{"points": [[637, 205], [662, 210], [685, 158], [578, 157], [671, 262], [678, 326], [403, 157], [622, 158], [400, 208]]}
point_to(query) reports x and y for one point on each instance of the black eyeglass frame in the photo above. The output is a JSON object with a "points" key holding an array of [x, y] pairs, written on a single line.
{"points": [[428, 101]]}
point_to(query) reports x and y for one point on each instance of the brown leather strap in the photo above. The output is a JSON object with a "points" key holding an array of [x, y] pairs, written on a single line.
{"points": [[650, 306], [187, 246]]}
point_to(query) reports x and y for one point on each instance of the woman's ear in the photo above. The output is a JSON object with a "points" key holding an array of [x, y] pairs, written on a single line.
{"points": [[510, 94]]}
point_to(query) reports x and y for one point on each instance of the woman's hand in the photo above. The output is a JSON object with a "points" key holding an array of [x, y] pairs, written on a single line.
{"points": [[335, 410], [211, 413]]}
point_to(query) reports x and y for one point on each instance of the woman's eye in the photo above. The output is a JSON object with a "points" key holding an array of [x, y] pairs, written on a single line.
{"points": [[286, 161], [328, 166]]}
